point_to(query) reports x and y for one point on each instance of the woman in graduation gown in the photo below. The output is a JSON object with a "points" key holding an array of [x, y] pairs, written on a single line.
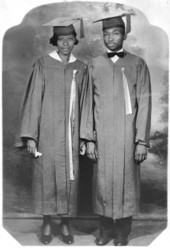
{"points": [[49, 127]]}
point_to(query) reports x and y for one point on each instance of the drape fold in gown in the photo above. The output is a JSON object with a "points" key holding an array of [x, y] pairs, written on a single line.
{"points": [[50, 115], [117, 106]]}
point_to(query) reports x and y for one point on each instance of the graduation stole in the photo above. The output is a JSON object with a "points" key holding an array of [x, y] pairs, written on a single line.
{"points": [[71, 124]]}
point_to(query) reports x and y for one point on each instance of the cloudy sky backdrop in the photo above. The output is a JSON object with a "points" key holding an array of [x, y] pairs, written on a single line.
{"points": [[24, 42]]}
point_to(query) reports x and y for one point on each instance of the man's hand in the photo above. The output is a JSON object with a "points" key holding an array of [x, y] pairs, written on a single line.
{"points": [[92, 151], [140, 153], [31, 146]]}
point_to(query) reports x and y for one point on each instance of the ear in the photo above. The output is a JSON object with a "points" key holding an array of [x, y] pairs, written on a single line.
{"points": [[76, 42], [125, 36]]}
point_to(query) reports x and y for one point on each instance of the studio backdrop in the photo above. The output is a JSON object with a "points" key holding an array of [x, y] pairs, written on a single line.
{"points": [[23, 43]]}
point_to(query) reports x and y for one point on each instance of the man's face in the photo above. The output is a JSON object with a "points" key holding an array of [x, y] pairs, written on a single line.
{"points": [[65, 44], [113, 38]]}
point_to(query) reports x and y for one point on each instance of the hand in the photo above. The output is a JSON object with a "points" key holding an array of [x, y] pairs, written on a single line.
{"points": [[140, 153], [31, 146], [92, 151], [82, 147]]}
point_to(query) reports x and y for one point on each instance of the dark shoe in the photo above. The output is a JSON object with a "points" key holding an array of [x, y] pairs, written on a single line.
{"points": [[105, 230], [46, 233], [102, 240], [67, 239], [46, 239], [121, 241], [66, 235], [123, 229]]}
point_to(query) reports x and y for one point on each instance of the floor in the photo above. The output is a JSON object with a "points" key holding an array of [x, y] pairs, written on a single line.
{"points": [[27, 232]]}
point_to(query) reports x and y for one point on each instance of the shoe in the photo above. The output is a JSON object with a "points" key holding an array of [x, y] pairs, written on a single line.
{"points": [[121, 241], [46, 239], [102, 240], [67, 239], [66, 235], [123, 229], [105, 231]]}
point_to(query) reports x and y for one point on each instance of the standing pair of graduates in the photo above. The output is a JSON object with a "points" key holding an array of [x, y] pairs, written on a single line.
{"points": [[103, 108]]}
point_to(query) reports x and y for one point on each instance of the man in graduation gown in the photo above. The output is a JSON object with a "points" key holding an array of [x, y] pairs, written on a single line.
{"points": [[115, 122]]}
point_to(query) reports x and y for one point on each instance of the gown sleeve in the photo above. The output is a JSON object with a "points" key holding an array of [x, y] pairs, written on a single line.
{"points": [[143, 120], [30, 113], [86, 107]]}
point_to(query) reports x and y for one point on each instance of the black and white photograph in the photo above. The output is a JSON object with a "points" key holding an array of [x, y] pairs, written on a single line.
{"points": [[85, 89]]}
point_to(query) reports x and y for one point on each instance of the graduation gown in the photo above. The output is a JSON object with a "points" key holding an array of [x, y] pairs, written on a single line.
{"points": [[46, 118], [117, 105]]}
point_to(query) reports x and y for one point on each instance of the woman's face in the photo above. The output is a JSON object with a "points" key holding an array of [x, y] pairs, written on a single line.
{"points": [[65, 44]]}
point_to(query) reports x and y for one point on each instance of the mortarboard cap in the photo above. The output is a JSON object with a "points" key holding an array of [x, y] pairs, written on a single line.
{"points": [[64, 26], [123, 20]]}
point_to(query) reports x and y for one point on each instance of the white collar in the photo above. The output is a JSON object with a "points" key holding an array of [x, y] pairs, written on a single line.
{"points": [[55, 55], [109, 51]]}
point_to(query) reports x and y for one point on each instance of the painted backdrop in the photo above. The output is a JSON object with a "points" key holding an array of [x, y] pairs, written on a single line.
{"points": [[22, 44]]}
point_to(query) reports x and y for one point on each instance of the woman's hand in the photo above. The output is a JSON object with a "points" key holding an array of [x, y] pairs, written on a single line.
{"points": [[82, 147], [92, 151], [31, 146]]}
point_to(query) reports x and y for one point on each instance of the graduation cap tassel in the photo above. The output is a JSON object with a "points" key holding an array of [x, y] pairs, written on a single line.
{"points": [[81, 28], [128, 23]]}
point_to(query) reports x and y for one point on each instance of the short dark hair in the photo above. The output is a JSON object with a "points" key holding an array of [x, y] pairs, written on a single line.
{"points": [[54, 38]]}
